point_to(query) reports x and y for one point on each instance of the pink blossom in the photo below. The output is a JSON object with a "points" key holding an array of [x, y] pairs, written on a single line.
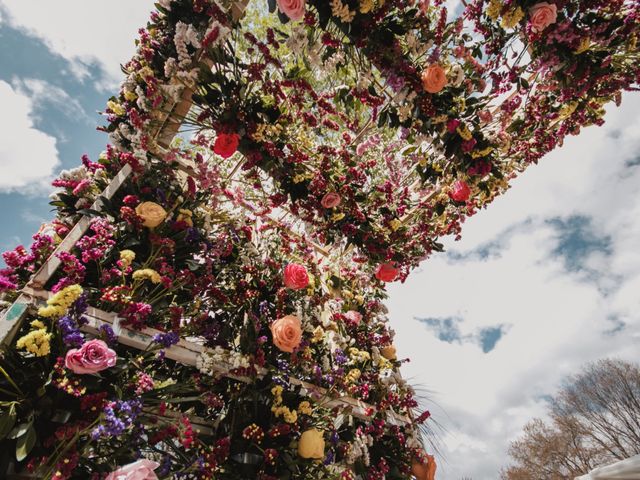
{"points": [[140, 470]]}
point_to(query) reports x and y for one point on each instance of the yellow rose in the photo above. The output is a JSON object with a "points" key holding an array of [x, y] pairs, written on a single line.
{"points": [[311, 444], [152, 214], [388, 352]]}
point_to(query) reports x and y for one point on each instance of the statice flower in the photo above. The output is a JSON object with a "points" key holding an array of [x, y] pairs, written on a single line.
{"points": [[108, 334], [71, 335], [166, 339], [118, 417]]}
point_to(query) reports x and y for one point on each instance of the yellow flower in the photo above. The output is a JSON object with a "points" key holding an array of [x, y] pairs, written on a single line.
{"points": [[464, 133], [512, 18], [58, 305], [130, 96], [318, 334], [336, 217], [147, 274], [36, 342], [116, 108], [353, 376], [366, 6], [395, 224], [340, 10], [389, 352], [127, 257], [494, 9], [185, 215], [290, 416], [585, 44], [311, 444], [305, 408]]}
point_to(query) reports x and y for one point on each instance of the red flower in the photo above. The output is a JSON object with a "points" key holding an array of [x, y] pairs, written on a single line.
{"points": [[387, 272], [226, 144], [295, 276], [460, 191]]}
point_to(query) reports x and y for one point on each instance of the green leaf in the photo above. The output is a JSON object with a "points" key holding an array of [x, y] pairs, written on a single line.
{"points": [[7, 421], [25, 443], [20, 430]]}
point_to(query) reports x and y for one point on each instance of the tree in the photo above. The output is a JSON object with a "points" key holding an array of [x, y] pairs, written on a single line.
{"points": [[593, 420]]}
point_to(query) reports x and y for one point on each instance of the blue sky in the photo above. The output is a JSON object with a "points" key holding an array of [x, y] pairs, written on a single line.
{"points": [[543, 281]]}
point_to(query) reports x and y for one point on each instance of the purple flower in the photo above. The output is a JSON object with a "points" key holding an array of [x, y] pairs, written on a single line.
{"points": [[166, 339], [108, 334]]}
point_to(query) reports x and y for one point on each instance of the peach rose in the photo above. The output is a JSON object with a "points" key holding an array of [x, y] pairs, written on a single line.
{"points": [[424, 467], [294, 9], [311, 444], [542, 15], [389, 352], [331, 200], [94, 356], [287, 333], [387, 272], [434, 78], [140, 470], [295, 277], [151, 213]]}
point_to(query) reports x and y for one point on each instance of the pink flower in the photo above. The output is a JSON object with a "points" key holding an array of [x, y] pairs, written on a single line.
{"points": [[226, 144], [387, 272], [542, 15], [94, 356], [287, 333], [353, 317], [460, 191], [294, 9], [140, 470], [295, 277], [331, 200]]}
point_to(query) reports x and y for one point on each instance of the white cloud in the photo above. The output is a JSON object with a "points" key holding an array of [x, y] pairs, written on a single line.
{"points": [[84, 32], [557, 318], [27, 155], [42, 92]]}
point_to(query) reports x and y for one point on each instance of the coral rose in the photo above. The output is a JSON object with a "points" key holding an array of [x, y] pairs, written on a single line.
{"points": [[387, 272], [140, 470], [331, 200], [389, 352], [434, 78], [311, 444], [295, 277], [294, 9], [94, 356], [151, 213], [460, 191], [542, 15], [287, 333], [424, 467], [226, 144]]}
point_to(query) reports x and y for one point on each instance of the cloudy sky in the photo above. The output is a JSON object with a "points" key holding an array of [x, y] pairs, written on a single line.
{"points": [[543, 281]]}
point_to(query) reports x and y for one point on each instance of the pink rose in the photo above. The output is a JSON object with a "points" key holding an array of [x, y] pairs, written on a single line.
{"points": [[542, 15], [295, 276], [140, 470], [331, 200], [353, 317], [94, 356], [387, 272], [294, 9], [287, 333], [460, 191]]}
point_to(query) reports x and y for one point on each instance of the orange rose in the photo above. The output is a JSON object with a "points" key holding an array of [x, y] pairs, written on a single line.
{"points": [[434, 78], [152, 214], [424, 467], [287, 333], [311, 444], [389, 352]]}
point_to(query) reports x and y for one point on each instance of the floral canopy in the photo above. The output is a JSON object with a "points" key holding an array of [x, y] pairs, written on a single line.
{"points": [[214, 301]]}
